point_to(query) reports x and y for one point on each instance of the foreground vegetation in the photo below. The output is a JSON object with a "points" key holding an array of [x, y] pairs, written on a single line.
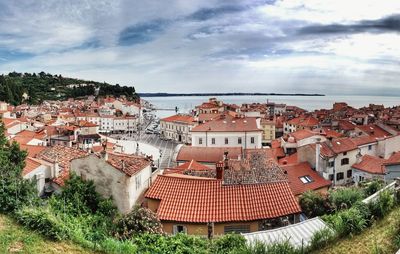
{"points": [[17, 239], [382, 237], [79, 215], [44, 86]]}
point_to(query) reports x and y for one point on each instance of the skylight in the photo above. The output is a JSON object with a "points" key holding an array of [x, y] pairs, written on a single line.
{"points": [[306, 179]]}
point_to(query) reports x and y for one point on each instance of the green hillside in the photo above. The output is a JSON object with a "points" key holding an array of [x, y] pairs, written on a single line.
{"points": [[33, 88]]}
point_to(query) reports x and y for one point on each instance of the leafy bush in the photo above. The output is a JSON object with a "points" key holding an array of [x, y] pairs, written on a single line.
{"points": [[383, 205], [345, 197], [347, 222], [231, 243], [43, 221], [313, 204], [180, 243], [321, 239], [139, 220], [372, 187]]}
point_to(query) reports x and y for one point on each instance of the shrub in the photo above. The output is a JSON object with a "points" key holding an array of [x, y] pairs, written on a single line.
{"points": [[347, 222], [372, 187], [230, 243], [321, 239], [313, 204], [383, 205], [43, 221], [180, 243], [344, 198], [139, 220]]}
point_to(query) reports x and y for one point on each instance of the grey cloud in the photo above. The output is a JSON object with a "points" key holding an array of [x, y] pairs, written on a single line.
{"points": [[387, 24]]}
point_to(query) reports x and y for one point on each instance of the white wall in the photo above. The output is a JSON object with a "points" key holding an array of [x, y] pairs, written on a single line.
{"points": [[232, 139]]}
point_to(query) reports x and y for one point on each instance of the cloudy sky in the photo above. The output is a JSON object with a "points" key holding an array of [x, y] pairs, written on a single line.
{"points": [[322, 46]]}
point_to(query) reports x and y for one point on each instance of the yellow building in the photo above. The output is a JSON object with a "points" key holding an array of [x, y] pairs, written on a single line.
{"points": [[268, 127]]}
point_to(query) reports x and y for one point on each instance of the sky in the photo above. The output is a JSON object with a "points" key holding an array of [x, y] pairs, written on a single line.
{"points": [[347, 47]]}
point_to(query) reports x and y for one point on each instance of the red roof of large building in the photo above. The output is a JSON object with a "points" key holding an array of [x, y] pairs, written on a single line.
{"points": [[302, 178], [228, 123], [199, 200], [207, 154], [179, 118]]}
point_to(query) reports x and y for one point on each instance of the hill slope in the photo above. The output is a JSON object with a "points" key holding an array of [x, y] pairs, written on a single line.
{"points": [[17, 88], [16, 239]]}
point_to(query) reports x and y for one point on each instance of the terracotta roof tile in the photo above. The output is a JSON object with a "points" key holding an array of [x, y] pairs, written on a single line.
{"points": [[296, 171], [179, 118], [207, 154], [30, 165], [371, 164], [229, 124], [204, 200], [128, 164]]}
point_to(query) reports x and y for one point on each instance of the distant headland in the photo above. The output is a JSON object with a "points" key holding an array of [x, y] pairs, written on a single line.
{"points": [[224, 94]]}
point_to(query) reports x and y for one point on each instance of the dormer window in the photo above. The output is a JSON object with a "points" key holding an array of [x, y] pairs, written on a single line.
{"points": [[306, 179]]}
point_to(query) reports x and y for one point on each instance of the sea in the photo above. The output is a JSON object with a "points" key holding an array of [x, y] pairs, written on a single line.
{"points": [[186, 103]]}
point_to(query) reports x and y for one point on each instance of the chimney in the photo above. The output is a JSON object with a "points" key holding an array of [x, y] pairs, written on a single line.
{"points": [[56, 168], [123, 165], [226, 166], [220, 170]]}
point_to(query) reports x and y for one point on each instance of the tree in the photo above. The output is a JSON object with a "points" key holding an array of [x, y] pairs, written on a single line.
{"points": [[313, 204], [15, 191], [139, 220]]}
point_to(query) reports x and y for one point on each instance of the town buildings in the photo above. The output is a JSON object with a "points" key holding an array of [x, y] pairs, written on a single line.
{"points": [[178, 128]]}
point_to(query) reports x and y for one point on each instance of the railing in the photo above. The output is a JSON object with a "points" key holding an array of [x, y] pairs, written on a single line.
{"points": [[375, 196]]}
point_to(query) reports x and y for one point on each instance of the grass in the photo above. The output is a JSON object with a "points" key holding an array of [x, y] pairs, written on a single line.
{"points": [[16, 239], [379, 238]]}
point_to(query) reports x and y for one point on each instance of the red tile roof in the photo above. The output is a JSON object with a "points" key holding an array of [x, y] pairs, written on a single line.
{"points": [[363, 140], [296, 171], [192, 165], [30, 165], [291, 159], [303, 134], [179, 118], [128, 164], [337, 146], [32, 150], [63, 155], [203, 200], [229, 124], [371, 164], [304, 121], [393, 159], [207, 154], [374, 131]]}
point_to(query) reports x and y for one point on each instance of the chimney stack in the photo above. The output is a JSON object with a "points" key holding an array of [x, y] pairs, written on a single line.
{"points": [[220, 170], [226, 166]]}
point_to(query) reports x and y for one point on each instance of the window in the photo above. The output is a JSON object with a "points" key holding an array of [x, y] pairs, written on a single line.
{"points": [[331, 177], [345, 161], [179, 229], [340, 176], [239, 140], [252, 140], [200, 141], [370, 147], [138, 181], [237, 229], [345, 153], [306, 179], [213, 141], [349, 173], [226, 141], [331, 164]]}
